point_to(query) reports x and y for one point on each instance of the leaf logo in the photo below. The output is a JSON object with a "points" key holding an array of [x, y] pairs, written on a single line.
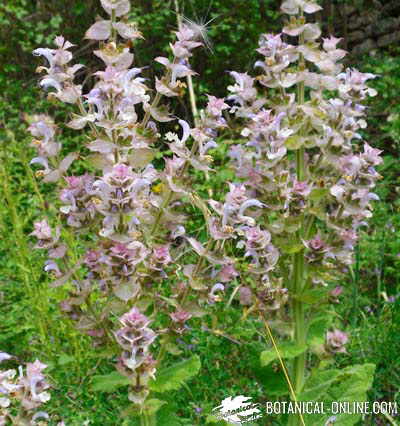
{"points": [[238, 410]]}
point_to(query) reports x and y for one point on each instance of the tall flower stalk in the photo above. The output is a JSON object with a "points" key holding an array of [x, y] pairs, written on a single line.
{"points": [[302, 161], [142, 276]]}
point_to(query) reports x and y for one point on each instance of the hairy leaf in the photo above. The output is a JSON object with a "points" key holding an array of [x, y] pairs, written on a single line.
{"points": [[173, 377], [109, 382], [287, 350], [347, 385]]}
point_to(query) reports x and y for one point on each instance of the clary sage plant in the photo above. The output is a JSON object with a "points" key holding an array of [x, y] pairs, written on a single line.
{"points": [[136, 285], [301, 157], [303, 191], [23, 392]]}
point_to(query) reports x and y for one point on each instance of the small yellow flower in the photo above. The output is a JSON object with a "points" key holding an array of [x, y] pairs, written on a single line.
{"points": [[228, 229], [158, 188], [96, 200]]}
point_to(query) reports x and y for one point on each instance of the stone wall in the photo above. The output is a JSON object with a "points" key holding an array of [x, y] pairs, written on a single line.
{"points": [[372, 25]]}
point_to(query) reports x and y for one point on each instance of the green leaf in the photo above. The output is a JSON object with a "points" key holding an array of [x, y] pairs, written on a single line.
{"points": [[287, 350], [130, 412], [318, 384], [215, 420], [173, 377], [194, 308], [167, 416], [317, 194], [153, 405], [291, 248], [312, 296], [172, 348], [65, 359], [317, 330], [109, 382], [347, 385], [273, 381], [294, 142]]}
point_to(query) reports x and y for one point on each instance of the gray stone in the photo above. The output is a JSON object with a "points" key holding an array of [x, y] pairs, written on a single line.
{"points": [[391, 7], [361, 21], [366, 46], [356, 36], [389, 39], [384, 26]]}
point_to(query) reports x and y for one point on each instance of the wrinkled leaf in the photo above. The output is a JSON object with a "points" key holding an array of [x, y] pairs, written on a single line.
{"points": [[172, 378], [273, 381], [312, 296], [109, 382], [287, 350], [153, 405], [317, 330], [318, 194], [347, 385]]}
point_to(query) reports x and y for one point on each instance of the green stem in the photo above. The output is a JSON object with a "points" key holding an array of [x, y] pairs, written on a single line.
{"points": [[147, 419], [170, 193], [298, 276], [300, 333], [356, 280], [381, 265], [151, 420], [143, 419], [297, 287], [157, 98], [113, 30], [299, 320]]}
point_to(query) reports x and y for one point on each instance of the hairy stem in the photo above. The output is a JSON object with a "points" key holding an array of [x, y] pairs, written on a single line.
{"points": [[298, 275], [299, 321], [285, 372], [113, 30], [147, 419], [143, 419], [170, 193]]}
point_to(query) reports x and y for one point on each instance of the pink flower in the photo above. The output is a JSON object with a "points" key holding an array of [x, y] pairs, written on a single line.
{"points": [[42, 230], [337, 291], [256, 238], [215, 106], [245, 296], [73, 181], [316, 244], [134, 318], [335, 341], [301, 188], [227, 273], [161, 255], [180, 316], [372, 155], [121, 172]]}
